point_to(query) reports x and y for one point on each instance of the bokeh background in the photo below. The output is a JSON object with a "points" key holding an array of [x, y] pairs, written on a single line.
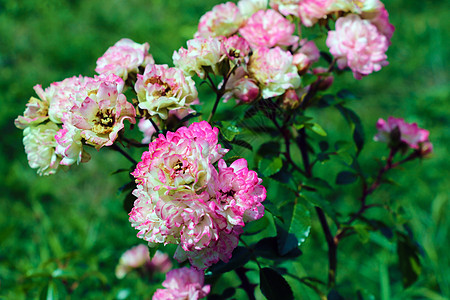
{"points": [[75, 220]]}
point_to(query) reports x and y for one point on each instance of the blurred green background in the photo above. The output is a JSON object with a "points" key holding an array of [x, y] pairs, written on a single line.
{"points": [[77, 216]]}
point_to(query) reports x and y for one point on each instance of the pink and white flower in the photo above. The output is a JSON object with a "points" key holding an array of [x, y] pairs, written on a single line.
{"points": [[139, 257], [182, 199], [310, 11], [241, 87], [162, 89], [306, 56], [286, 7], [356, 43], [224, 20], [274, 71], [181, 284], [36, 111], [40, 144], [69, 145], [123, 58], [201, 53], [63, 95], [102, 113], [236, 48], [249, 7], [268, 29], [396, 130]]}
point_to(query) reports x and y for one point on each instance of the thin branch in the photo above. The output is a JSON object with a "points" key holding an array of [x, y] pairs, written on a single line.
{"points": [[121, 151]]}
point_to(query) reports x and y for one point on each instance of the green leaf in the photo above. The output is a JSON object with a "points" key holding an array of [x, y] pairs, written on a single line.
{"points": [[296, 228], [347, 95], [240, 257], [355, 123], [152, 250], [274, 286], [49, 291], [242, 143], [128, 202], [346, 177], [408, 256], [316, 128], [256, 226], [363, 232], [323, 145], [270, 166], [268, 248], [229, 130]]}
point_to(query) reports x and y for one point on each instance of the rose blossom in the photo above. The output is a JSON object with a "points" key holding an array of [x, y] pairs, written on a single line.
{"points": [[69, 145], [63, 95], [241, 87], [224, 20], [201, 52], [40, 144], [306, 56], [249, 7], [183, 283], [274, 71], [162, 89], [397, 130], [267, 29], [101, 115], [286, 7], [182, 199], [123, 58], [357, 44], [310, 11], [139, 257], [36, 111]]}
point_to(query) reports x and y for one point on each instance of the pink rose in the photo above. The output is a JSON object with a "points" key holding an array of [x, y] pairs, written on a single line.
{"points": [[268, 29], [358, 44]]}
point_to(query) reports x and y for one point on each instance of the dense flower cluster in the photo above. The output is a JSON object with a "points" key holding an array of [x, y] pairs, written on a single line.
{"points": [[139, 257], [183, 199], [76, 111], [181, 284], [397, 133]]}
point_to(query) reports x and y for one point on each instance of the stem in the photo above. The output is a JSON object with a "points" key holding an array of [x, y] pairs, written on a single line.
{"points": [[368, 190], [133, 142], [331, 242], [248, 287], [219, 92], [332, 248], [155, 126], [118, 149]]}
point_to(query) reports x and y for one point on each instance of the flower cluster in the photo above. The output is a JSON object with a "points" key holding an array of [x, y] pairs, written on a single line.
{"points": [[76, 111], [81, 111], [401, 135], [183, 199], [254, 46], [183, 284], [139, 257]]}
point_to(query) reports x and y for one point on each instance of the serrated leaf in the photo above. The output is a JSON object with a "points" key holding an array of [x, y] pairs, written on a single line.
{"points": [[346, 177], [270, 166], [274, 286], [296, 228]]}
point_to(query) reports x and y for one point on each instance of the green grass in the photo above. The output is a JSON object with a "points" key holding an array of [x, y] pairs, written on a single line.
{"points": [[77, 216]]}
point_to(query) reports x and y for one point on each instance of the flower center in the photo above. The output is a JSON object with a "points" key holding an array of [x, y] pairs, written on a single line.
{"points": [[104, 122]]}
